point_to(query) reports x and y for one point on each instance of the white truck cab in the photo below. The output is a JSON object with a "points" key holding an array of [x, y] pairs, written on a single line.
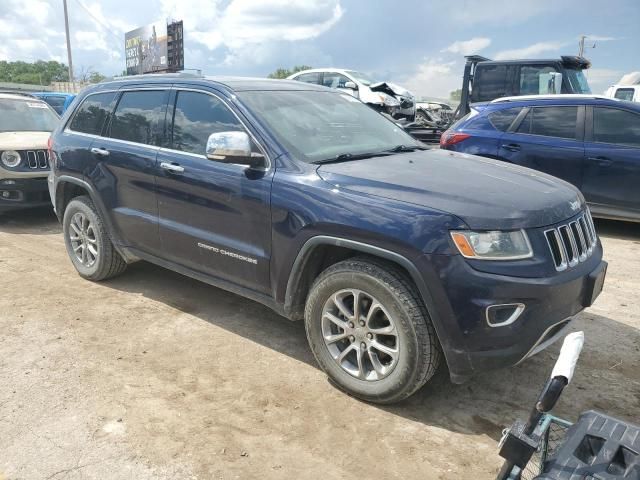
{"points": [[630, 93]]}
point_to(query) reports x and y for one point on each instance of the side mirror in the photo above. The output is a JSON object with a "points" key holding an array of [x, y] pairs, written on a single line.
{"points": [[555, 83], [233, 147], [350, 85]]}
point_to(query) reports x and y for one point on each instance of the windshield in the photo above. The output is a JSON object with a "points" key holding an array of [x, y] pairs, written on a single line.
{"points": [[26, 116], [316, 126], [361, 77], [577, 80]]}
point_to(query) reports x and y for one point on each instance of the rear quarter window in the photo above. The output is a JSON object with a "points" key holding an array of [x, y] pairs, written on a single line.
{"points": [[502, 119], [92, 113]]}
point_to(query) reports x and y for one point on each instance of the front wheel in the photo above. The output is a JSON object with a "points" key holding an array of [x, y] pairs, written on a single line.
{"points": [[370, 332]]}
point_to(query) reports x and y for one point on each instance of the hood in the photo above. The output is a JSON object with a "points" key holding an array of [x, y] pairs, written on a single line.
{"points": [[486, 194], [24, 140], [390, 88]]}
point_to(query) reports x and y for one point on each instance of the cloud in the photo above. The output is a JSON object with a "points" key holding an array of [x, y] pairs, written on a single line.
{"points": [[244, 23], [472, 12], [598, 38], [602, 78], [531, 51], [435, 78], [467, 47]]}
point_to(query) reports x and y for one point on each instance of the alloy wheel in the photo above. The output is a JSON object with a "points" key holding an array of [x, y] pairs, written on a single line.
{"points": [[82, 237], [360, 334]]}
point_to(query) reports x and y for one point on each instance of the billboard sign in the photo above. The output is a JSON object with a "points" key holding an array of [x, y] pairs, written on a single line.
{"points": [[146, 49]]}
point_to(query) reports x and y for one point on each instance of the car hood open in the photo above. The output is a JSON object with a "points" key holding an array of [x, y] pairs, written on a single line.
{"points": [[390, 89], [486, 194]]}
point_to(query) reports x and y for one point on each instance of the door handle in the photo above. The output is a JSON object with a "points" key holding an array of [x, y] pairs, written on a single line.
{"points": [[602, 161], [512, 147], [171, 167], [100, 151]]}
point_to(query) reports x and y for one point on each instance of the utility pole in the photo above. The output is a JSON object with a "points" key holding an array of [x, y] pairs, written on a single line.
{"points": [[66, 28], [581, 44]]}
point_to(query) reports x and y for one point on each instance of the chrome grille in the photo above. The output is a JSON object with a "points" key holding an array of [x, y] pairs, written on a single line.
{"points": [[36, 159], [572, 242]]}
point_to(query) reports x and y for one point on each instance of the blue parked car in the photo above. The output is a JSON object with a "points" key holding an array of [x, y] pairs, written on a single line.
{"points": [[58, 101], [397, 257], [590, 141]]}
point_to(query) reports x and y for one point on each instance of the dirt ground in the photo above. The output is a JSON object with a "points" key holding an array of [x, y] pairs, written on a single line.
{"points": [[154, 375]]}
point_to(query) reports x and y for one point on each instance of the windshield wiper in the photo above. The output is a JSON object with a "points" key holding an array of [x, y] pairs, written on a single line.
{"points": [[346, 157], [406, 148]]}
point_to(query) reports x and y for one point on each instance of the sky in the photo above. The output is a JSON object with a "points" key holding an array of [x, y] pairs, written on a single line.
{"points": [[419, 44]]}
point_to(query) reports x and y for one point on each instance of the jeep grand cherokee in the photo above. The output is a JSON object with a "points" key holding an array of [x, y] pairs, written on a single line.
{"points": [[300, 197]]}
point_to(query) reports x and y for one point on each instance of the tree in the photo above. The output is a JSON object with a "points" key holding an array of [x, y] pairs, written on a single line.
{"points": [[89, 75], [284, 72], [38, 73], [456, 94]]}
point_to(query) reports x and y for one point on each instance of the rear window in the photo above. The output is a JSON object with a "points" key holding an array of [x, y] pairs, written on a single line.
{"points": [[625, 94], [139, 117], [91, 115], [490, 82], [611, 125], [502, 119], [57, 103], [28, 115], [559, 122]]}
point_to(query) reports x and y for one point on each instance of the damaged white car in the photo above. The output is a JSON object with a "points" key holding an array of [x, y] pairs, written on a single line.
{"points": [[385, 97]]}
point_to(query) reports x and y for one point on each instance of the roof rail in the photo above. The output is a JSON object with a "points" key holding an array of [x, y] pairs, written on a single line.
{"points": [[558, 96], [154, 75]]}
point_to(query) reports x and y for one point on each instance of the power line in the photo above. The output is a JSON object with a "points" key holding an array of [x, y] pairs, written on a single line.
{"points": [[106, 27]]}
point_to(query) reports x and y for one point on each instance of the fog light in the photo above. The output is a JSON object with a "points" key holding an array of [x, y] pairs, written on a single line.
{"points": [[8, 182], [6, 194], [503, 314]]}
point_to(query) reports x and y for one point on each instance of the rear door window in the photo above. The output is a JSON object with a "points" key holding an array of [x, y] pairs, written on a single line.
{"points": [[139, 117], [334, 80], [625, 94], [559, 122], [313, 77], [91, 115], [502, 119], [490, 82], [620, 127]]}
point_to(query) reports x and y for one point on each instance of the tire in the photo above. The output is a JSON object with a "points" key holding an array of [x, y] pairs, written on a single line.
{"points": [[82, 224], [414, 351]]}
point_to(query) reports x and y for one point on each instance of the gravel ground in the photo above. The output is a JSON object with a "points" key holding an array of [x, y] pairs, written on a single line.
{"points": [[153, 375]]}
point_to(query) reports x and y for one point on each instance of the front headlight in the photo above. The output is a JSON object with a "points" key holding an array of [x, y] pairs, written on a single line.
{"points": [[495, 245], [10, 158], [388, 100]]}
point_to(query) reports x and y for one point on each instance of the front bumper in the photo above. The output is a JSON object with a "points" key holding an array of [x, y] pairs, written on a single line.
{"points": [[461, 295], [17, 193]]}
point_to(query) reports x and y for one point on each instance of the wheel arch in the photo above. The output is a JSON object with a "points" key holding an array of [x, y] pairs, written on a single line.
{"points": [[311, 260], [67, 188]]}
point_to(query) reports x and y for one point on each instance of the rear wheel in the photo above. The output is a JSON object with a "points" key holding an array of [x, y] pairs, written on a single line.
{"points": [[88, 243], [370, 331]]}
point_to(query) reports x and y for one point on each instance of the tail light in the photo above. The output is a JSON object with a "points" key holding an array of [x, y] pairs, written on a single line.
{"points": [[451, 138]]}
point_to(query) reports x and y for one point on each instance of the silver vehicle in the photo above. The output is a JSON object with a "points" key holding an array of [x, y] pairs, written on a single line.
{"points": [[385, 97]]}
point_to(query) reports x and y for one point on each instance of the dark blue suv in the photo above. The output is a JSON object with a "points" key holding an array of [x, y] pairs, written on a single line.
{"points": [[300, 197], [591, 142]]}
